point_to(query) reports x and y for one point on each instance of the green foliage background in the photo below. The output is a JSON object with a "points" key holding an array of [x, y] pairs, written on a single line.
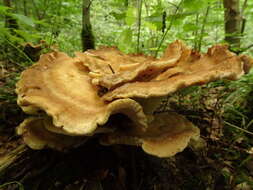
{"points": [[114, 23]]}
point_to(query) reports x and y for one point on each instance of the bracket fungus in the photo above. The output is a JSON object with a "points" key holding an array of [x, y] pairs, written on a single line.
{"points": [[192, 68], [35, 134], [74, 98], [60, 86], [167, 134]]}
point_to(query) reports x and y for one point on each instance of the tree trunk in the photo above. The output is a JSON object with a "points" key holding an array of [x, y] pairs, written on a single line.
{"points": [[25, 7], [86, 34], [10, 22], [232, 22]]}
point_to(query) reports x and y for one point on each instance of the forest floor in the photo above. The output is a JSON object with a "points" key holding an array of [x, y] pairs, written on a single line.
{"points": [[223, 161]]}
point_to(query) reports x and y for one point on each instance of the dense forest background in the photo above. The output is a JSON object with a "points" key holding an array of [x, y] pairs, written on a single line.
{"points": [[222, 110], [131, 25]]}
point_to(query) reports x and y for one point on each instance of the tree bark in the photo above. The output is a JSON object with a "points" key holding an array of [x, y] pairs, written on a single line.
{"points": [[86, 34], [232, 22]]}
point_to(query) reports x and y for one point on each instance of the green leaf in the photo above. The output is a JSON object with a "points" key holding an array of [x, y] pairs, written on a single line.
{"points": [[119, 3], [125, 42], [188, 27], [131, 16], [24, 19], [3, 9], [4, 31], [150, 25], [157, 17], [42, 23], [179, 15], [194, 5], [27, 36], [118, 16]]}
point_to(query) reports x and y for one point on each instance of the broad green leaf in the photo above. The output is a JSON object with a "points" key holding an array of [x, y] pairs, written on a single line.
{"points": [[118, 16], [194, 5], [150, 25], [125, 41], [190, 27], [131, 16], [156, 19], [179, 15], [178, 22], [118, 3], [24, 19], [3, 31]]}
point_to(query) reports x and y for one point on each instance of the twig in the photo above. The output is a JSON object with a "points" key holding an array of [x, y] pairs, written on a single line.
{"points": [[244, 6], [88, 7], [244, 49], [234, 126]]}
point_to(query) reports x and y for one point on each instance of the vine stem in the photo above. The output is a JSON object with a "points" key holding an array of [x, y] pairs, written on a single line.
{"points": [[169, 27], [139, 24], [203, 27], [234, 126]]}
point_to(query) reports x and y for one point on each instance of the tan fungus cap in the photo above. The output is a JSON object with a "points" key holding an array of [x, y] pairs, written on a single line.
{"points": [[36, 136], [167, 134], [61, 87], [193, 68]]}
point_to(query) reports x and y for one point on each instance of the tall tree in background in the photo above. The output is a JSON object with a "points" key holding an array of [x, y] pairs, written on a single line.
{"points": [[232, 22], [86, 34]]}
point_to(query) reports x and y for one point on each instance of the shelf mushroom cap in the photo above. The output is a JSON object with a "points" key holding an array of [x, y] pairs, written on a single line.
{"points": [[60, 86], [108, 67], [192, 68], [167, 134], [36, 136]]}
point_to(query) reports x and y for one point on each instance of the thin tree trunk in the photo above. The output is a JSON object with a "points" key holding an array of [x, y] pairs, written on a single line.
{"points": [[86, 34], [25, 7], [139, 6], [242, 15], [232, 22]]}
